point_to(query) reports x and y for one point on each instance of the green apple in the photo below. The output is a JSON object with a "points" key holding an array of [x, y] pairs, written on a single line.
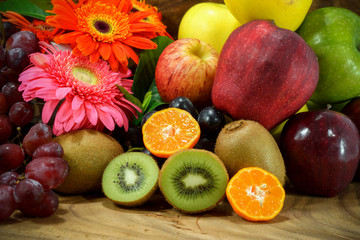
{"points": [[334, 34], [287, 14], [209, 22]]}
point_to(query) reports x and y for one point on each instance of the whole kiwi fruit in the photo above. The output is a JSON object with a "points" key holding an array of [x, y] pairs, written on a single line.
{"points": [[87, 152], [246, 143]]}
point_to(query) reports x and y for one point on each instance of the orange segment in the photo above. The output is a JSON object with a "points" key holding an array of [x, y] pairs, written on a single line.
{"points": [[255, 194], [169, 130]]}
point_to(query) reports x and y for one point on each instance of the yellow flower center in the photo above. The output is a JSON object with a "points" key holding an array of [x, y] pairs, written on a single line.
{"points": [[84, 75], [105, 23]]}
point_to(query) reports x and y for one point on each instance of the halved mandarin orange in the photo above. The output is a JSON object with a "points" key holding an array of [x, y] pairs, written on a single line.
{"points": [[170, 130], [255, 194]]}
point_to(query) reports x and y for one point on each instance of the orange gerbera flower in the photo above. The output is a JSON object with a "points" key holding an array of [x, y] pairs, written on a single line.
{"points": [[155, 17], [42, 30], [102, 28]]}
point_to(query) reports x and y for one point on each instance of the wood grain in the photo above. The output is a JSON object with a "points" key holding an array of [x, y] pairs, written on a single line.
{"points": [[96, 217]]}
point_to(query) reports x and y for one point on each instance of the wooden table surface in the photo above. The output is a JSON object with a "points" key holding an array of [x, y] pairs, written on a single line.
{"points": [[93, 216], [96, 217]]}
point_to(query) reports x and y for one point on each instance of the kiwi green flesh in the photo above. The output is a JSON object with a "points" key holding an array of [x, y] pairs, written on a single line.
{"points": [[193, 180], [130, 178]]}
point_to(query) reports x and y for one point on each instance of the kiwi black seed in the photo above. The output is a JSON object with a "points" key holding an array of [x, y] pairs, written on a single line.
{"points": [[193, 180], [130, 179]]}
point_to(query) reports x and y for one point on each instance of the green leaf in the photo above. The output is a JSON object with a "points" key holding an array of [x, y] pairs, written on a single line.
{"points": [[24, 7], [146, 101], [145, 70], [129, 96], [43, 4], [156, 100]]}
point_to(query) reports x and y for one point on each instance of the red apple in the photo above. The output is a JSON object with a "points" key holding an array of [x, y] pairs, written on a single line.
{"points": [[265, 74], [352, 110], [187, 68], [321, 151]]}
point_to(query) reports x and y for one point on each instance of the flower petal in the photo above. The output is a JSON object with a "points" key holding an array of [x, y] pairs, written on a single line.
{"points": [[48, 110], [105, 118], [77, 102], [62, 92], [79, 114], [91, 113], [105, 50]]}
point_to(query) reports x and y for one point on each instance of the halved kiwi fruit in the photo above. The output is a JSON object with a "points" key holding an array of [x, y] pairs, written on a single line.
{"points": [[193, 180], [130, 179]]}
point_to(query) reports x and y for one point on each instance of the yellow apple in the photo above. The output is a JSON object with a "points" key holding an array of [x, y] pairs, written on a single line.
{"points": [[276, 131], [287, 14], [208, 22]]}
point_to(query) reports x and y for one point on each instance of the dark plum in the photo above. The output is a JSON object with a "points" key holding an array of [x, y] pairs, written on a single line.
{"points": [[146, 117], [185, 104], [211, 121], [206, 143], [321, 151]]}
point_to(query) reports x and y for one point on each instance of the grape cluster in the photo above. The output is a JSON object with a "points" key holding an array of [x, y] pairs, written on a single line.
{"points": [[26, 183], [31, 165]]}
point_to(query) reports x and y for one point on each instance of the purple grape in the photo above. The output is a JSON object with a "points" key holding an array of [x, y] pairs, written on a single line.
{"points": [[11, 156], [21, 113], [10, 75], [7, 202], [2, 56], [9, 29], [50, 149], [38, 135], [11, 92], [28, 193], [6, 128], [49, 171], [46, 208], [4, 106], [23, 39], [17, 59], [9, 178]]}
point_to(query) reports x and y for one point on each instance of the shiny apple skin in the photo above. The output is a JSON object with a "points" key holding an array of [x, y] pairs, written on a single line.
{"points": [[352, 110], [321, 151]]}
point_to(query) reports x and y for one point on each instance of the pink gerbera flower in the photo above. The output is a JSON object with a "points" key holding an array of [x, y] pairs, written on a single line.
{"points": [[86, 92]]}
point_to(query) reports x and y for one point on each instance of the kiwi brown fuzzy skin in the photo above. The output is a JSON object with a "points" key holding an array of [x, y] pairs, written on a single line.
{"points": [[168, 160], [246, 143], [87, 152]]}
